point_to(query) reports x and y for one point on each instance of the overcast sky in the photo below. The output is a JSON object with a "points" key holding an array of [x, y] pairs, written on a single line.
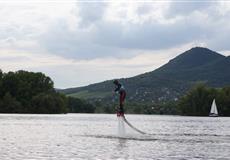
{"points": [[77, 43]]}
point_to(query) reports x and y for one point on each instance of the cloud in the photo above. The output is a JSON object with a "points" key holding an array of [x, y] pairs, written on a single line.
{"points": [[91, 30], [86, 72], [69, 72], [91, 12], [15, 60], [148, 36], [121, 30], [77, 44], [184, 8], [91, 42]]}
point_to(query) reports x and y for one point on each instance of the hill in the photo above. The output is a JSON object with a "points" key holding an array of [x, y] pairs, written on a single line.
{"points": [[168, 82]]}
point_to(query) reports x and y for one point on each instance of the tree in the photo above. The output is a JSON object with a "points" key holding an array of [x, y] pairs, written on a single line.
{"points": [[1, 75], [223, 101], [76, 105], [29, 92], [9, 104], [49, 103], [197, 101]]}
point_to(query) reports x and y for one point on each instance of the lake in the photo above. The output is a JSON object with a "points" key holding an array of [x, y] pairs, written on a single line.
{"points": [[95, 136]]}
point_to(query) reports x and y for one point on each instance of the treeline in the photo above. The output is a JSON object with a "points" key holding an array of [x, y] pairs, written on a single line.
{"points": [[29, 92], [198, 101], [169, 108]]}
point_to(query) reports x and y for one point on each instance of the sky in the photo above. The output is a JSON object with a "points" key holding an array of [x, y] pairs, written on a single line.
{"points": [[78, 43]]}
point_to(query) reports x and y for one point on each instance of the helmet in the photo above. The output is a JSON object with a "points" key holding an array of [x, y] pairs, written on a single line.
{"points": [[115, 81]]}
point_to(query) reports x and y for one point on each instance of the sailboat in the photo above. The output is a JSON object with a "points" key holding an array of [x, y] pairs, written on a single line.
{"points": [[213, 111]]}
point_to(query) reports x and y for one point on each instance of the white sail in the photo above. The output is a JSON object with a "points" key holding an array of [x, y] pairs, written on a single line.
{"points": [[213, 111]]}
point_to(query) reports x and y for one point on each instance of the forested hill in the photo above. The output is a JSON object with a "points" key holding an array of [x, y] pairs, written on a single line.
{"points": [[169, 81]]}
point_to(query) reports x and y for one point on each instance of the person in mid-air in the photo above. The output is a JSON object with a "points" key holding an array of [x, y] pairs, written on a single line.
{"points": [[121, 90]]}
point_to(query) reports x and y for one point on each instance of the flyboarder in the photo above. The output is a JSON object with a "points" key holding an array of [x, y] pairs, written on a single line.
{"points": [[119, 88]]}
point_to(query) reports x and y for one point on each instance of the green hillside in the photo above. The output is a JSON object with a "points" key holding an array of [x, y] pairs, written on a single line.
{"points": [[168, 82]]}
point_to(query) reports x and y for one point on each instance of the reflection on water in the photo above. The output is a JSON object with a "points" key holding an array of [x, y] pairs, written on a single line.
{"points": [[94, 136]]}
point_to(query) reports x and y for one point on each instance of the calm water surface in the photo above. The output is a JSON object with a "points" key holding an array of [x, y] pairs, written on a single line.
{"points": [[94, 136]]}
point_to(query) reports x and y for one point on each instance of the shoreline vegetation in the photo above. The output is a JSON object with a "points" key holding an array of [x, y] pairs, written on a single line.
{"points": [[29, 92]]}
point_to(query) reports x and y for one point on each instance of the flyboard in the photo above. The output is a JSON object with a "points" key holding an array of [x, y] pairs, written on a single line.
{"points": [[129, 124]]}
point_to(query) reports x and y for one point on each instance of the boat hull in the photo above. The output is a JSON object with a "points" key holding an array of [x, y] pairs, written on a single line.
{"points": [[213, 115]]}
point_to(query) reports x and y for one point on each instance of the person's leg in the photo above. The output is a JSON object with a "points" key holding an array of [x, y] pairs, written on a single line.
{"points": [[122, 100]]}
